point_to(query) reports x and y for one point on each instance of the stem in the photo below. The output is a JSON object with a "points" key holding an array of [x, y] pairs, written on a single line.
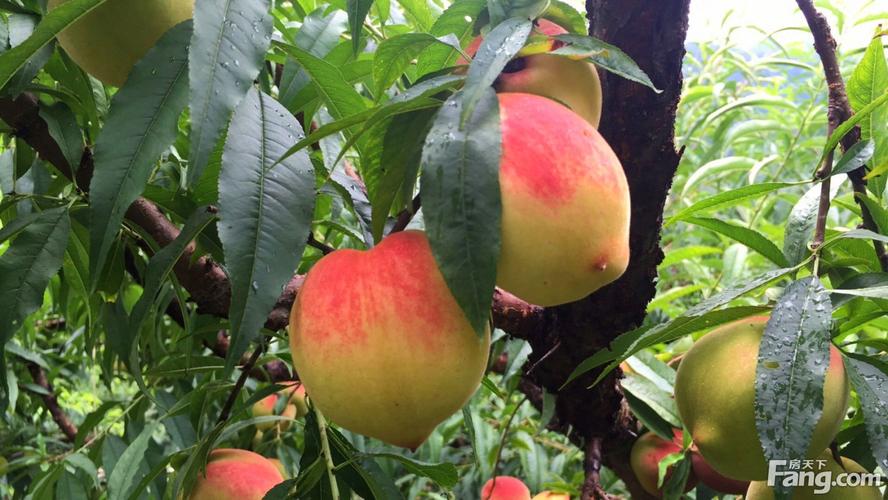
{"points": [[502, 444], [245, 373], [328, 457], [406, 215]]}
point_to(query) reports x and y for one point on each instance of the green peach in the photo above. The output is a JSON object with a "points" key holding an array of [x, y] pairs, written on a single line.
{"points": [[715, 394], [108, 41]]}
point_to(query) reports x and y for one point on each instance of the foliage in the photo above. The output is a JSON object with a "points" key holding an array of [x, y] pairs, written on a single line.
{"points": [[272, 124]]}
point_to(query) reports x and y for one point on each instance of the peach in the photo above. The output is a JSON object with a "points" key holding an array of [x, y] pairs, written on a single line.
{"points": [[711, 477], [715, 395], [565, 204], [574, 83], [647, 453], [505, 488], [110, 40], [381, 344], [265, 407], [235, 475]]}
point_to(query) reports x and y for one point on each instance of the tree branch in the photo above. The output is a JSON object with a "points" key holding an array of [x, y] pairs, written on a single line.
{"points": [[52, 403], [245, 374], [839, 110]]}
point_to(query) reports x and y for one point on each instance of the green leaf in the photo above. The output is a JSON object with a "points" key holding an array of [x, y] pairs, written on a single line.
{"points": [[496, 50], [604, 55], [444, 474], [802, 219], [648, 416], [703, 315], [871, 385], [458, 19], [124, 475], [679, 464], [749, 237], [357, 13], [396, 54], [870, 80], [854, 121], [265, 212], [362, 474], [395, 167], [142, 124], [654, 397], [877, 211], [320, 32], [226, 54], [32, 258], [461, 202], [855, 157], [21, 31], [791, 369], [418, 13], [63, 128], [500, 10], [340, 97], [728, 198], [567, 16], [51, 25]]}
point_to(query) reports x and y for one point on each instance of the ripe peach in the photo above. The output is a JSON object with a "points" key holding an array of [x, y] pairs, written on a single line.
{"points": [[505, 488], [647, 453], [381, 344], [235, 475], [565, 199]]}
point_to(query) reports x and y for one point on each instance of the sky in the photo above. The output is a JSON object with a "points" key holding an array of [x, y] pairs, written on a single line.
{"points": [[707, 15]]}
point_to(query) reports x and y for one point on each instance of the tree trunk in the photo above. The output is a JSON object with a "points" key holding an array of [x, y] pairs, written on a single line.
{"points": [[639, 125]]}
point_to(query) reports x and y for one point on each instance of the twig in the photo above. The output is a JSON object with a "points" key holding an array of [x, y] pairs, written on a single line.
{"points": [[52, 403], [323, 247], [406, 215], [245, 373], [502, 443], [839, 111], [328, 456]]}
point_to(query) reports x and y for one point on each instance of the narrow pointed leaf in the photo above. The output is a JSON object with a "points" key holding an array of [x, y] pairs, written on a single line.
{"points": [[140, 127], [871, 385], [265, 212], [227, 51], [461, 201], [357, 13], [497, 49], [792, 362], [604, 55], [33, 257]]}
